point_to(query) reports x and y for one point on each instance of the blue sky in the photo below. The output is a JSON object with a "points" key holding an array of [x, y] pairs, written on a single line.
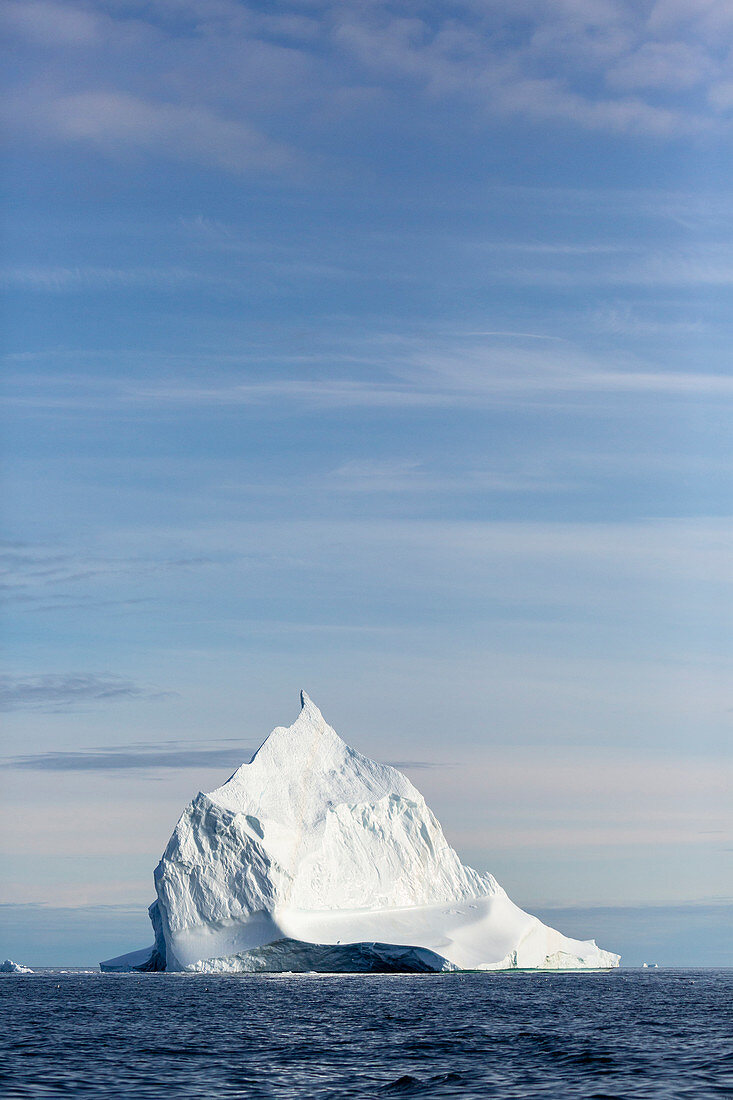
{"points": [[380, 349]]}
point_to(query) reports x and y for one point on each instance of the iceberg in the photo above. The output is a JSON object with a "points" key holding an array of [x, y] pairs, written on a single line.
{"points": [[314, 858], [10, 967]]}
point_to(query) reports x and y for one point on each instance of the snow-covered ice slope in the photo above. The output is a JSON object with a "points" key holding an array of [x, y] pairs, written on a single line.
{"points": [[313, 857]]}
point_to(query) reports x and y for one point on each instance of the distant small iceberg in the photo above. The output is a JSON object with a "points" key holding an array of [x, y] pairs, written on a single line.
{"points": [[10, 967]]}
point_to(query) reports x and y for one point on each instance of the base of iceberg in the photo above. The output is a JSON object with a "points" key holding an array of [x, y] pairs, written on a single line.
{"points": [[299, 957], [314, 858]]}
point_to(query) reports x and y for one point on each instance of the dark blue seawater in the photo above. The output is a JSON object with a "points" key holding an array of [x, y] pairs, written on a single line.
{"points": [[626, 1034]]}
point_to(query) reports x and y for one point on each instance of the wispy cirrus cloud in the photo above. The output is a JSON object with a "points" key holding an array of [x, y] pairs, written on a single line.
{"points": [[133, 757], [413, 374], [426, 377], [120, 124], [37, 572], [54, 692], [156, 756], [409, 475], [90, 278]]}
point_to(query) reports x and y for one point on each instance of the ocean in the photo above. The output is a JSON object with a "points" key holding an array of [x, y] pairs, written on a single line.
{"points": [[624, 1034]]}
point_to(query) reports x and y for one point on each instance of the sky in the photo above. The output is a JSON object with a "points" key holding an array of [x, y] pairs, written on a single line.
{"points": [[380, 349]]}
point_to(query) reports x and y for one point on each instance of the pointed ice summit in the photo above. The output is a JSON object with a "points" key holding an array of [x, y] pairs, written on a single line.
{"points": [[314, 858]]}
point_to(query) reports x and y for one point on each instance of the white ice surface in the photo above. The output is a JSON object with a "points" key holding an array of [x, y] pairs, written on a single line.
{"points": [[10, 967], [312, 844]]}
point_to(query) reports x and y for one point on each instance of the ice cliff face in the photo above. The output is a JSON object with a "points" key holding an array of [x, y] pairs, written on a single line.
{"points": [[313, 857]]}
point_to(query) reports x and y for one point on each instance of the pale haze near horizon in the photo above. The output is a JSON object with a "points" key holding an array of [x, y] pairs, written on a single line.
{"points": [[381, 350]]}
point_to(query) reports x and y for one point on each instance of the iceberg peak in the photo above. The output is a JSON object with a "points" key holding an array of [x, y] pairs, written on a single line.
{"points": [[309, 713], [306, 701]]}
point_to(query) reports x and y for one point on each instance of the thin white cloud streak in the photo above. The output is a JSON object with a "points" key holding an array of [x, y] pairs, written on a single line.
{"points": [[85, 278], [519, 335], [27, 568], [274, 267], [448, 382], [560, 248], [411, 374], [120, 124], [703, 266], [518, 371], [625, 319], [359, 476]]}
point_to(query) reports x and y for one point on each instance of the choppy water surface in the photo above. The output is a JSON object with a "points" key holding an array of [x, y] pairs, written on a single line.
{"points": [[625, 1034]]}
